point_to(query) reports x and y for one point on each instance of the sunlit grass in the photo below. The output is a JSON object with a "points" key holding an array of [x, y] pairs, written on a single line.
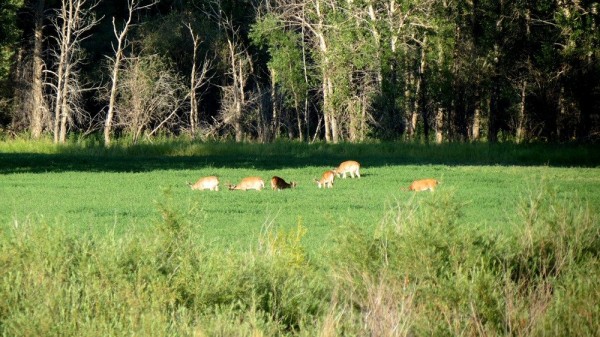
{"points": [[99, 241], [91, 188], [418, 270]]}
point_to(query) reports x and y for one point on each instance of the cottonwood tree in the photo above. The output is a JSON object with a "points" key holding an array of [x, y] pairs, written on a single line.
{"points": [[240, 63], [289, 85], [239, 67], [317, 21], [578, 73], [73, 21], [151, 96], [39, 108], [133, 6], [307, 17], [28, 72], [198, 79]]}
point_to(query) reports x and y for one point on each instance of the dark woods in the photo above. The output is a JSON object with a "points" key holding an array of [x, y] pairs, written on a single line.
{"points": [[303, 69]]}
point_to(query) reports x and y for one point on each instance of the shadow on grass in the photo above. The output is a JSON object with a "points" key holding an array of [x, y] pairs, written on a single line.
{"points": [[182, 155]]}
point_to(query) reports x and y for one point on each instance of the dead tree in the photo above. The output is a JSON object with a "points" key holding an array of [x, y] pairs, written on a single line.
{"points": [[240, 65], [73, 22], [122, 44], [198, 78], [38, 104], [151, 96]]}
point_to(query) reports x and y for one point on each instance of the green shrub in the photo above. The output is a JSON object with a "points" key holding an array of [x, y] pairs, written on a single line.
{"points": [[421, 272]]}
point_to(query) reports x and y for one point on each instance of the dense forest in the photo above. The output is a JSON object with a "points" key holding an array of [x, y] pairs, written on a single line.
{"points": [[332, 70]]}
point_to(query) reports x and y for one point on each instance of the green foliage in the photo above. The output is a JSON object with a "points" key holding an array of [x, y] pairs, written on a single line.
{"points": [[8, 28], [285, 54], [478, 56], [453, 279], [9, 35], [421, 272]]}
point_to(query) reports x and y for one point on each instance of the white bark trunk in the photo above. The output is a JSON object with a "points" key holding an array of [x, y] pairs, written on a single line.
{"points": [[39, 106]]}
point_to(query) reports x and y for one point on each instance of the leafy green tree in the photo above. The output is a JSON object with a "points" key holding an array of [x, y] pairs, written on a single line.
{"points": [[9, 35], [579, 24], [287, 72]]}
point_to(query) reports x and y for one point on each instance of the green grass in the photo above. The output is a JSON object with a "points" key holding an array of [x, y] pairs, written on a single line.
{"points": [[111, 242], [89, 188]]}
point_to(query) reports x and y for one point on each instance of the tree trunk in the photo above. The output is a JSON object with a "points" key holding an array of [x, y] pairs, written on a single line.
{"points": [[326, 109], [61, 85], [475, 129], [439, 125], [335, 132], [298, 116], [116, 66], [133, 6], [65, 109], [476, 32], [240, 100], [411, 114], [39, 107], [73, 18], [333, 121], [363, 118], [494, 111], [520, 133], [193, 100], [194, 116], [274, 107], [305, 72], [419, 108], [494, 105], [330, 122], [457, 87], [113, 97]]}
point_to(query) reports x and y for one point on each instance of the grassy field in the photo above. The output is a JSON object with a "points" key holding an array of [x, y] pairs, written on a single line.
{"points": [[88, 190], [99, 242]]}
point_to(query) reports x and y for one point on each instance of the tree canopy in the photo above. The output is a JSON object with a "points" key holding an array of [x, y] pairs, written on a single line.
{"points": [[461, 70]]}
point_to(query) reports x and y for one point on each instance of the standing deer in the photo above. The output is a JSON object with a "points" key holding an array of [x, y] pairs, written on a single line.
{"points": [[349, 166], [206, 183], [249, 183], [279, 184], [326, 179]]}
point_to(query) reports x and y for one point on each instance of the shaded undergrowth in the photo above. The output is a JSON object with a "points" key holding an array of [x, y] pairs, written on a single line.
{"points": [[421, 272], [88, 154]]}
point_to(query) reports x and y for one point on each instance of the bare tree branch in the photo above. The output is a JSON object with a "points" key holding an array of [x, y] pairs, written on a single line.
{"points": [[122, 44], [73, 22]]}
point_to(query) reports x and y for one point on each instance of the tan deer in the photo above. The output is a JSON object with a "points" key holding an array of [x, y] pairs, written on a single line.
{"points": [[326, 179], [249, 183], [349, 166], [423, 185], [279, 184], [206, 183]]}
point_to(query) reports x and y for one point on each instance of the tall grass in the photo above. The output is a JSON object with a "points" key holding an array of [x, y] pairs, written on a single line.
{"points": [[421, 273], [293, 153]]}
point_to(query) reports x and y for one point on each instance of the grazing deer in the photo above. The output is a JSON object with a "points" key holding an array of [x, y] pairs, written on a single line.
{"points": [[326, 179], [249, 183], [279, 184], [423, 185], [349, 166], [206, 183]]}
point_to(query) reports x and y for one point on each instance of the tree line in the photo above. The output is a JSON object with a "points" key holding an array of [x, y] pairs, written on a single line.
{"points": [[333, 70]]}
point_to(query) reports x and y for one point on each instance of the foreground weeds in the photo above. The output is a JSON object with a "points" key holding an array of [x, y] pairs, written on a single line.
{"points": [[420, 273]]}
